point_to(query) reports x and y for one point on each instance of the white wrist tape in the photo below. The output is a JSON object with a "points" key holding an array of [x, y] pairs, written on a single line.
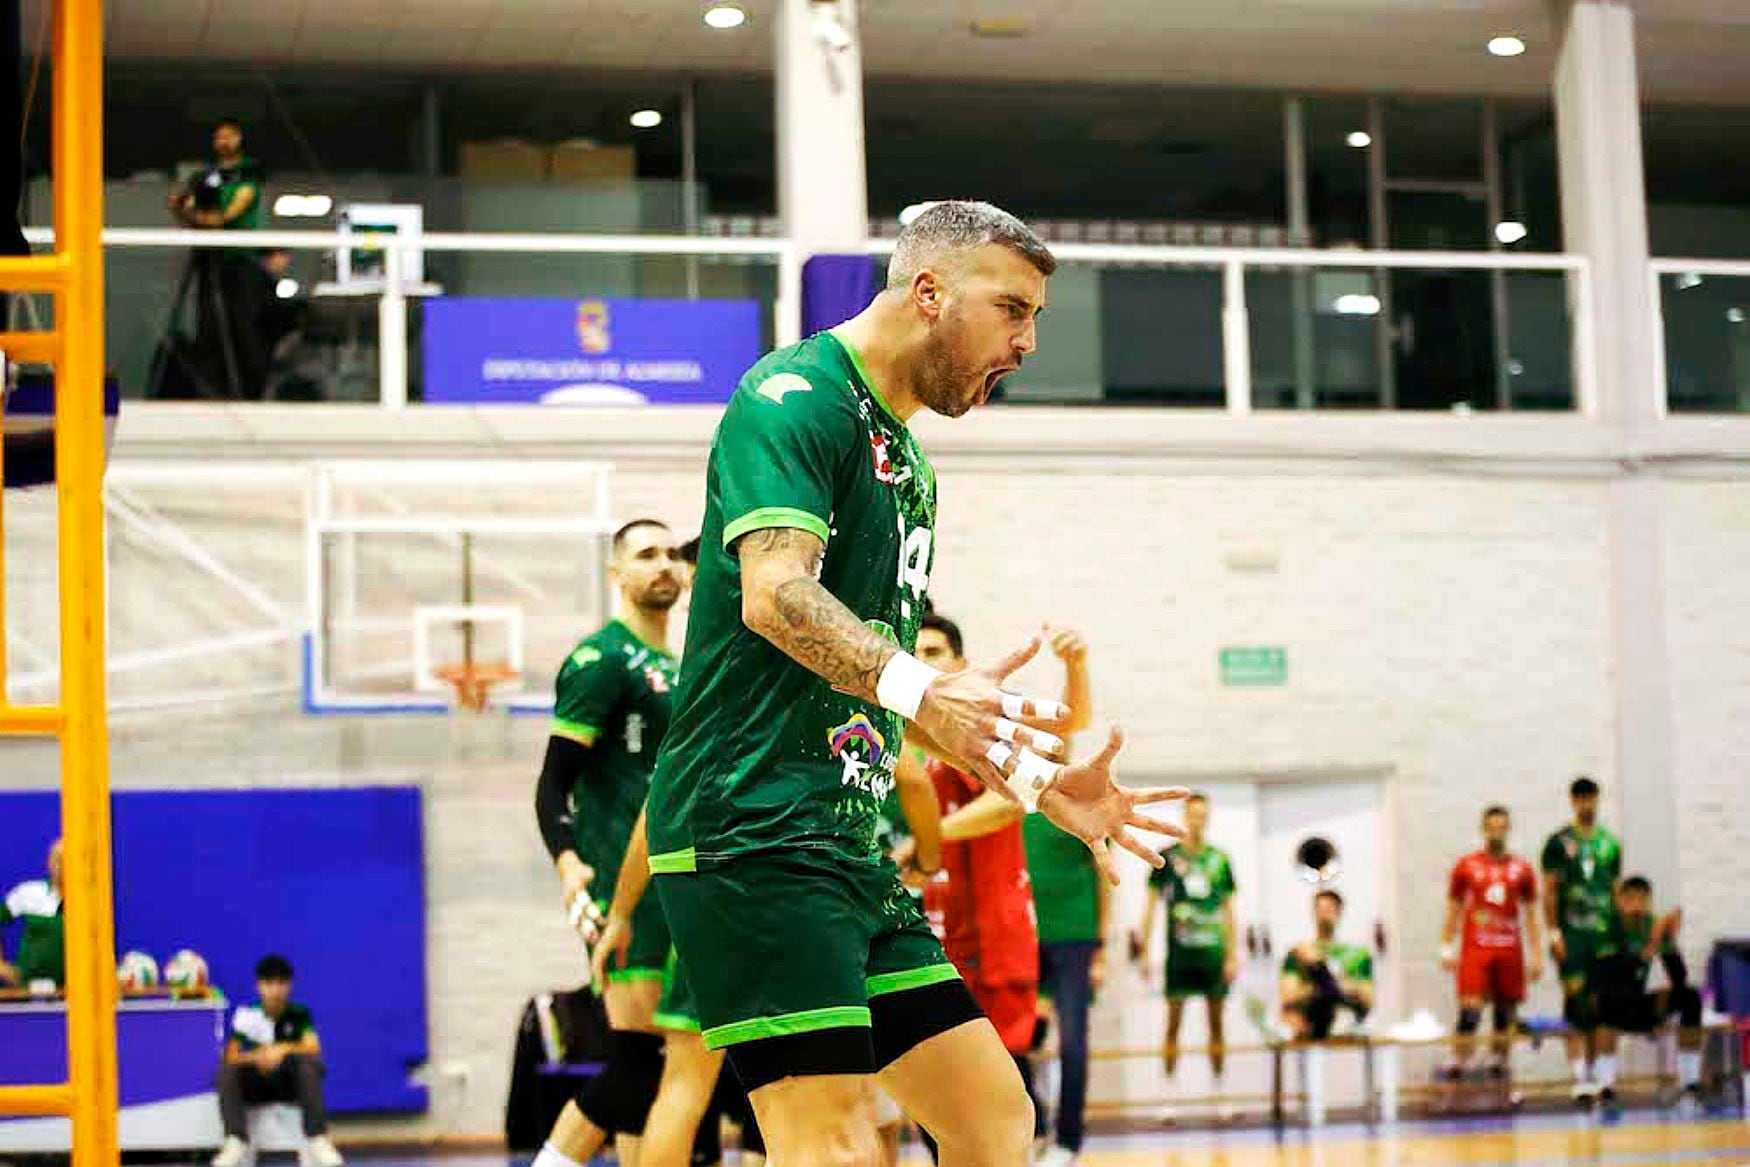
{"points": [[901, 686], [1449, 950], [1032, 776]]}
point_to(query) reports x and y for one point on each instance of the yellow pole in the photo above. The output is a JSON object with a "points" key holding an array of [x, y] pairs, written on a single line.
{"points": [[79, 458]]}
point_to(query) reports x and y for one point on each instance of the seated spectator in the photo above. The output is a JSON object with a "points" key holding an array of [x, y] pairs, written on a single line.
{"points": [[1323, 977], [1620, 982], [41, 949], [273, 1055]]}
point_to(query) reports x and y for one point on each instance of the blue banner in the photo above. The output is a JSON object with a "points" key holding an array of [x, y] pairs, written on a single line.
{"points": [[587, 352]]}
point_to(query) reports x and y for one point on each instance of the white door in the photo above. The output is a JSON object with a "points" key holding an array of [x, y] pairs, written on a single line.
{"points": [[1351, 816], [1132, 1012]]}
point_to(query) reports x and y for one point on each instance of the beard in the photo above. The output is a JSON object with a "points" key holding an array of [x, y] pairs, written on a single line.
{"points": [[656, 601], [942, 379]]}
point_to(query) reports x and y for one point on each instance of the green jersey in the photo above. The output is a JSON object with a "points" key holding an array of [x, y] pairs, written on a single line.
{"points": [[1586, 868], [1196, 887], [42, 948], [763, 755], [613, 690], [252, 1028], [1066, 885], [1622, 947], [1347, 962]]}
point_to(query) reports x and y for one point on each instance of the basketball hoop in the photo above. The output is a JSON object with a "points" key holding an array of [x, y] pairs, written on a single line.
{"points": [[474, 682]]}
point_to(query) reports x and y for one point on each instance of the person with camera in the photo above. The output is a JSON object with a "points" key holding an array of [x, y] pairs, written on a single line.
{"points": [[232, 290]]}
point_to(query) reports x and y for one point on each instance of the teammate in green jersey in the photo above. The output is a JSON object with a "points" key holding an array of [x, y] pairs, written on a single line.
{"points": [[1619, 983], [611, 709], [1581, 864], [1325, 975], [1202, 958], [806, 957]]}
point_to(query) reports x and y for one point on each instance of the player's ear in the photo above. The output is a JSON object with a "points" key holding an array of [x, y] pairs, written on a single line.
{"points": [[928, 292]]}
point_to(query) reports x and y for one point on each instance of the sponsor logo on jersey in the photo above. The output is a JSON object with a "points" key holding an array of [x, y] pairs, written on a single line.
{"points": [[775, 387], [883, 463], [862, 750], [657, 679]]}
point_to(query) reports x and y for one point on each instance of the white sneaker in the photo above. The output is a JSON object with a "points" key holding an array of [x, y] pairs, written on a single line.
{"points": [[321, 1152], [1584, 1091], [1057, 1157], [234, 1153]]}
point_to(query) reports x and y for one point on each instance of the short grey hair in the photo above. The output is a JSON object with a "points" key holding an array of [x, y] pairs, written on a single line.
{"points": [[945, 228]]}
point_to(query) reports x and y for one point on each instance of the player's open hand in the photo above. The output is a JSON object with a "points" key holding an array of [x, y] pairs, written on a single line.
{"points": [[1086, 800], [986, 729]]}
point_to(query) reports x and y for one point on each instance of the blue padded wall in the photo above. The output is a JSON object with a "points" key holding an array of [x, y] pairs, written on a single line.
{"points": [[333, 879]]}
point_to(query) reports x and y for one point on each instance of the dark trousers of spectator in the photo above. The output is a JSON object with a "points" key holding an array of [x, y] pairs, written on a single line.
{"points": [[298, 1079], [1066, 975]]}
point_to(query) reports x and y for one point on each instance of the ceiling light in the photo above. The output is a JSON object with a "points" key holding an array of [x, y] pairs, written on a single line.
{"points": [[1688, 280], [725, 16], [1356, 304], [1360, 139], [1510, 231], [1734, 315], [286, 289], [647, 119], [1506, 46]]}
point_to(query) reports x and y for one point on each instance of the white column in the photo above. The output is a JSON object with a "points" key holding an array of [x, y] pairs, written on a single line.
{"points": [[822, 193], [1604, 214]]}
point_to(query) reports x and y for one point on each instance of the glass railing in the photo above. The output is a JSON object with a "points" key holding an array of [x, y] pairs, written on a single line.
{"points": [[1703, 307], [372, 317], [321, 316], [1247, 329]]}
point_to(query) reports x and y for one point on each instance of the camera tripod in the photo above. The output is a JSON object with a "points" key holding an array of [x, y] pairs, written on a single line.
{"points": [[199, 285]]}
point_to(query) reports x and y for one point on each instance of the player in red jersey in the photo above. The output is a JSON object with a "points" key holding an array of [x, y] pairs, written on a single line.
{"points": [[1489, 891], [981, 900]]}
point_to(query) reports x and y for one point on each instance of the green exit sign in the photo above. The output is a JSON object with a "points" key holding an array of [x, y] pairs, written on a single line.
{"points": [[1265, 665]]}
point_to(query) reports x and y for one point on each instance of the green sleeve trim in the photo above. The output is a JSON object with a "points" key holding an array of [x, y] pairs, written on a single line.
{"points": [[678, 1022], [577, 731], [768, 517], [911, 978], [809, 1021], [625, 976], [675, 862]]}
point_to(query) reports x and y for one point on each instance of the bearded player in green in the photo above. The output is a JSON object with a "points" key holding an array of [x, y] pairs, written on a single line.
{"points": [[806, 957], [610, 711], [1581, 864]]}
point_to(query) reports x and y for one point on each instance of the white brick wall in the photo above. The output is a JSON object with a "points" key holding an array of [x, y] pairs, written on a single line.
{"points": [[1450, 625]]}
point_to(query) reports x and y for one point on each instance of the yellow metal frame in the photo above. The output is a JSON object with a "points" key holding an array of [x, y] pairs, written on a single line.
{"points": [[74, 275]]}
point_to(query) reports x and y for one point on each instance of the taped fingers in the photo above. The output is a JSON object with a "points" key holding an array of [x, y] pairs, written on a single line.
{"points": [[586, 918], [1038, 739], [1022, 708]]}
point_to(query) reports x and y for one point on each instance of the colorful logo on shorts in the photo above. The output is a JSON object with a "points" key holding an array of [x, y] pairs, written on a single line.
{"points": [[860, 746]]}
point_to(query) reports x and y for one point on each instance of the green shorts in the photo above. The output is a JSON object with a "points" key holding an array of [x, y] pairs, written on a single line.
{"points": [[1576, 967], [647, 955], [782, 943], [1196, 972], [676, 1011]]}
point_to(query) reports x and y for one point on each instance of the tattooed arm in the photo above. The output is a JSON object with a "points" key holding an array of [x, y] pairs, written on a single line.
{"points": [[783, 600]]}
